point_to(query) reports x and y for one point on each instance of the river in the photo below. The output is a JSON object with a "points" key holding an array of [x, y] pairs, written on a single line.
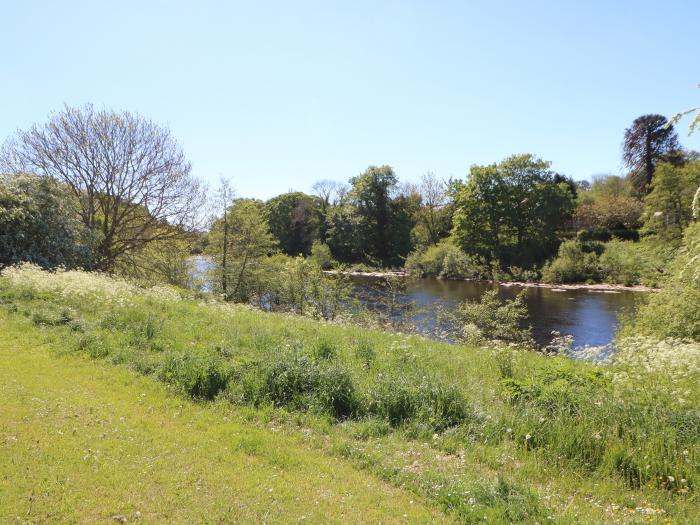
{"points": [[590, 317]]}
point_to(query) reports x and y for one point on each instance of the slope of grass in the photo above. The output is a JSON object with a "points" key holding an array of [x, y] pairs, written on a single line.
{"points": [[82, 441], [484, 435]]}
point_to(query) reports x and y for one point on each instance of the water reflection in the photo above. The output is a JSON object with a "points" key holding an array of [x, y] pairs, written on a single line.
{"points": [[590, 317]]}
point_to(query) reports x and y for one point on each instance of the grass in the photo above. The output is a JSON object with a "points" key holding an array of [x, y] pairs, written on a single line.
{"points": [[83, 441], [479, 435]]}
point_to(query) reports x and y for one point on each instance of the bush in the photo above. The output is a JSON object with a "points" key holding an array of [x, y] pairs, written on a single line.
{"points": [[674, 312], [303, 383], [393, 399], [492, 319], [431, 403], [199, 375], [444, 260], [321, 255], [621, 263], [576, 262], [365, 353]]}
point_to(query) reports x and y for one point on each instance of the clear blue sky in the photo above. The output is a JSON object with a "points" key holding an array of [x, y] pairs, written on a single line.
{"points": [[276, 95]]}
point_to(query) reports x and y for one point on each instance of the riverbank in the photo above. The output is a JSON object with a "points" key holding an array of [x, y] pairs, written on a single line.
{"points": [[467, 434], [595, 287], [473, 434]]}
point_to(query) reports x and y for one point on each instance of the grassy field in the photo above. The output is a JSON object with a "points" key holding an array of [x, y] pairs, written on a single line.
{"points": [[122, 400], [82, 441]]}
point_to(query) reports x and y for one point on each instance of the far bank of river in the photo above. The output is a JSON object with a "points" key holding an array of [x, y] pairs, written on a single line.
{"points": [[596, 287]]}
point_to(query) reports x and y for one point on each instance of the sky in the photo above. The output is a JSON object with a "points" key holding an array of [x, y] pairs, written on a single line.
{"points": [[277, 95]]}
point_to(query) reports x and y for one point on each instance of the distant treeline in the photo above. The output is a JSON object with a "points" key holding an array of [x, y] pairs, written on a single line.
{"points": [[113, 192]]}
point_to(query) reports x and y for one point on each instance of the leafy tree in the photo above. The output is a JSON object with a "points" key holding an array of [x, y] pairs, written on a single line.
{"points": [[128, 175], [368, 224], [668, 207], [480, 214], [345, 227], [249, 243], [608, 208], [295, 220], [39, 223], [650, 140], [370, 194], [510, 212]]}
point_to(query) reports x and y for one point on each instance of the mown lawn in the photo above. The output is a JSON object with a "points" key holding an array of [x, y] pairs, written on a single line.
{"points": [[342, 422], [83, 441]]}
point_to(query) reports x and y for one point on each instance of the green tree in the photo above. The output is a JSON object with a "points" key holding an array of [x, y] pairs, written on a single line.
{"points": [[433, 217], [39, 223], [369, 223], [370, 195], [249, 244], [295, 220], [651, 139], [668, 207], [608, 208], [345, 233], [510, 212]]}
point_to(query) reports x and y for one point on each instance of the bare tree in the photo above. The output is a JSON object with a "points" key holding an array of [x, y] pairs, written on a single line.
{"points": [[327, 190], [130, 176], [433, 192]]}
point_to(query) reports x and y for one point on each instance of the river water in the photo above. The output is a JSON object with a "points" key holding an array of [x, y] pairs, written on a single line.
{"points": [[590, 317]]}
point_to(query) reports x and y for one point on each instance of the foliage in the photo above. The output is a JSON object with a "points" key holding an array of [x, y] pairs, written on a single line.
{"points": [[574, 263], [39, 224], [510, 212], [623, 431], [369, 224], [321, 255], [294, 219], [249, 243], [608, 207], [668, 206], [298, 285], [444, 260], [433, 216], [492, 319], [650, 140], [129, 176], [674, 312]]}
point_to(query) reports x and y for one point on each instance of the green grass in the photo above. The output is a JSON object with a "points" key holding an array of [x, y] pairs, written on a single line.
{"points": [[476, 434], [82, 441]]}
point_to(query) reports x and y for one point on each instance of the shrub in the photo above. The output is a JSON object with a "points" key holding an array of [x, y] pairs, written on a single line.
{"points": [[491, 318], [325, 350], [303, 383], [431, 403], [621, 263], [50, 315], [674, 312], [200, 375], [441, 406], [575, 262], [444, 260], [393, 399], [321, 255]]}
